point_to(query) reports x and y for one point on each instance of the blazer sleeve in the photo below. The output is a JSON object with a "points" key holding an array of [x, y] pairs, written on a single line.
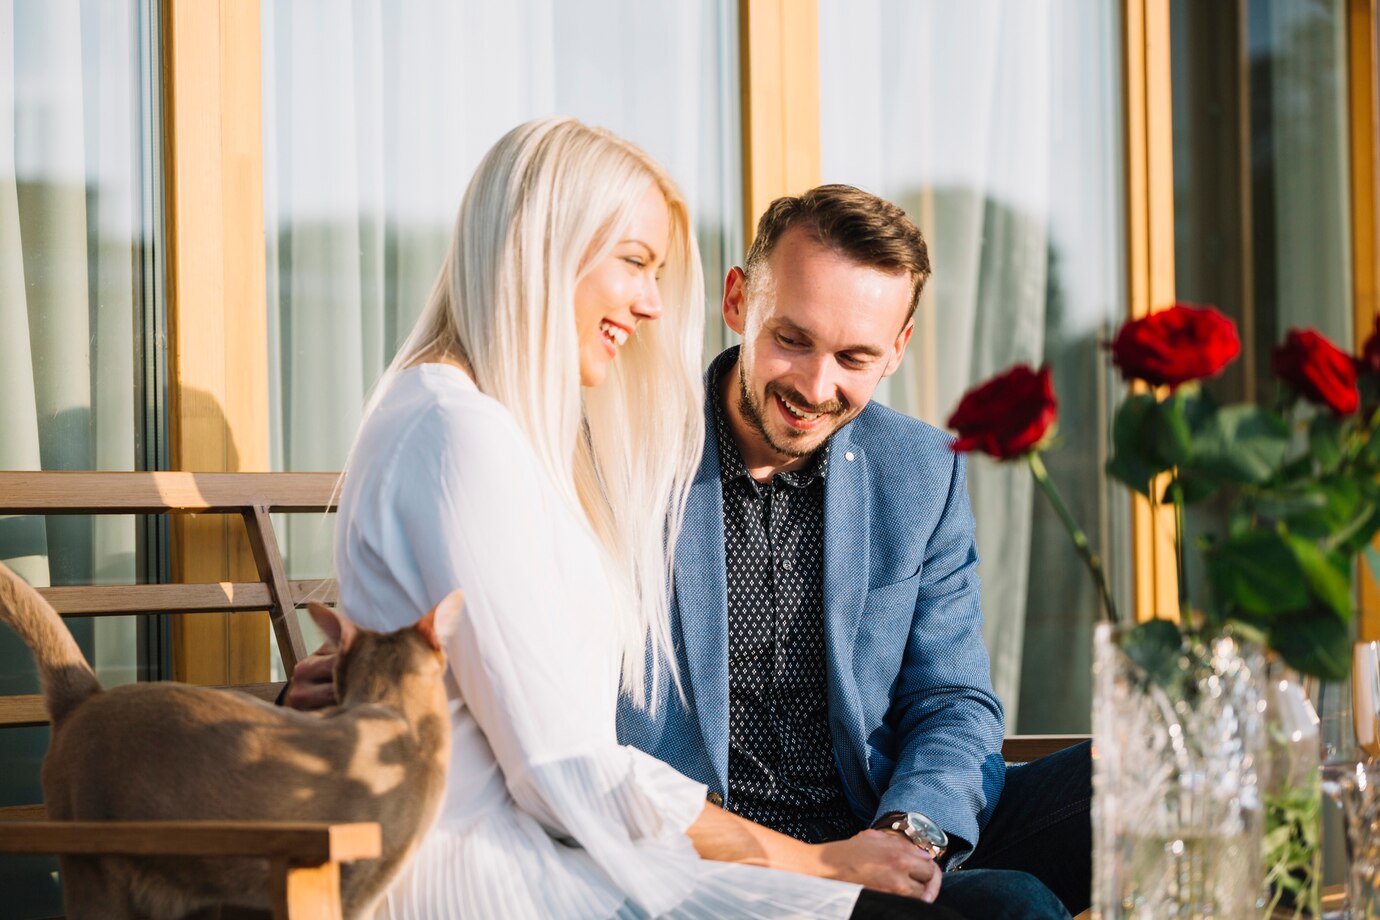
{"points": [[948, 720]]}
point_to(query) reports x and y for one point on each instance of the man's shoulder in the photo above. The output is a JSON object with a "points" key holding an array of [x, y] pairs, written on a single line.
{"points": [[882, 432]]}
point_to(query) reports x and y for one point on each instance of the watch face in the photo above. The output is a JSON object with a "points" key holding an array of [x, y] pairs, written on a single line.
{"points": [[933, 833]]}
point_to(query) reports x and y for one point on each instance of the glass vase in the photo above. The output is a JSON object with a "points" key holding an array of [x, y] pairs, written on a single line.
{"points": [[1292, 795], [1177, 814]]}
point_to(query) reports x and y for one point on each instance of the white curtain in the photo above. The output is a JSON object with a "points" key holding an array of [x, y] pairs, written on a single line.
{"points": [[1308, 163], [70, 228], [376, 114], [995, 125]]}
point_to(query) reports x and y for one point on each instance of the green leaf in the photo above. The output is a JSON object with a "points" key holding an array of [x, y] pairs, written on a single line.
{"points": [[1320, 510], [1313, 642], [1155, 646], [1241, 443], [1326, 581], [1194, 486], [1130, 463], [1167, 435], [1256, 573], [1325, 441]]}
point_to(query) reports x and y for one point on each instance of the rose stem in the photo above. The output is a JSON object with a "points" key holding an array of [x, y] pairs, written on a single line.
{"points": [[1080, 539]]}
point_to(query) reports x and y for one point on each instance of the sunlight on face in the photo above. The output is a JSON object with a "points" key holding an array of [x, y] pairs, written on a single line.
{"points": [[621, 290], [819, 333]]}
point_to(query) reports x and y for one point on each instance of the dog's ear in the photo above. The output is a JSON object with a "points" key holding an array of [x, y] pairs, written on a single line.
{"points": [[439, 623], [338, 630]]}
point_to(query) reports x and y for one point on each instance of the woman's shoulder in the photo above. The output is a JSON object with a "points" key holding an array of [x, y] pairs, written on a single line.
{"points": [[440, 403], [433, 416]]}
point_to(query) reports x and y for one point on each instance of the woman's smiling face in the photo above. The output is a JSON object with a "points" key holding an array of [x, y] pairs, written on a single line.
{"points": [[621, 289]]}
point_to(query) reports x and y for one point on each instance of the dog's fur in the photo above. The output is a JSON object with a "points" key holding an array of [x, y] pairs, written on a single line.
{"points": [[168, 751]]}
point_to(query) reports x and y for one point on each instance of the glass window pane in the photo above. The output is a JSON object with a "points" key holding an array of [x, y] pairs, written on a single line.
{"points": [[375, 119], [76, 251], [997, 126], [1262, 194]]}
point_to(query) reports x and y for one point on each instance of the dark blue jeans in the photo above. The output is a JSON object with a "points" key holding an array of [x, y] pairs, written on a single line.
{"points": [[1041, 827]]}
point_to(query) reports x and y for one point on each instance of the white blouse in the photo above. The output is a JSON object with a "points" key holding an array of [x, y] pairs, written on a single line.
{"points": [[546, 815]]}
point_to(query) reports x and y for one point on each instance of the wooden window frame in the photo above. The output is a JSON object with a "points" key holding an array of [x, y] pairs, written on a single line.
{"points": [[1365, 242], [217, 312]]}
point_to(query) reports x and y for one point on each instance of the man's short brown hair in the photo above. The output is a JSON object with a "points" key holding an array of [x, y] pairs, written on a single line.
{"points": [[866, 229]]}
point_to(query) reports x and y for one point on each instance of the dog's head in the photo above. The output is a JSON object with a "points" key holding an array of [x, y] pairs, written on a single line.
{"points": [[372, 665]]}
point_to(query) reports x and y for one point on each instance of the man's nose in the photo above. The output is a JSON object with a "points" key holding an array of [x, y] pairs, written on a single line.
{"points": [[817, 382]]}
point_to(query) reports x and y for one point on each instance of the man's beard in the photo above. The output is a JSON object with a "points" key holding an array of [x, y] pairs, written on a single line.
{"points": [[754, 414]]}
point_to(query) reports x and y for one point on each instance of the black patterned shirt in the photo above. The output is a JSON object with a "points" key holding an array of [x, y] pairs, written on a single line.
{"points": [[781, 769]]}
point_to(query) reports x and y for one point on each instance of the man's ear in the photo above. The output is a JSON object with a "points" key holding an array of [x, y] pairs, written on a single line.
{"points": [[735, 300], [899, 348], [439, 623], [337, 629]]}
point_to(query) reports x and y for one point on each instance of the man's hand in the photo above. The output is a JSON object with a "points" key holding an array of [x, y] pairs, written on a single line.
{"points": [[882, 860], [312, 685]]}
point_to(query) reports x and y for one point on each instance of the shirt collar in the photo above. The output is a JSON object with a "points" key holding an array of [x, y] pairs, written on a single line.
{"points": [[731, 466]]}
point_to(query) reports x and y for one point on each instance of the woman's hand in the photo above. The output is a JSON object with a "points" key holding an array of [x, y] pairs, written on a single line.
{"points": [[881, 860], [312, 684]]}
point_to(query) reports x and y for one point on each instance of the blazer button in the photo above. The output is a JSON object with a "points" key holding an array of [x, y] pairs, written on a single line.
{"points": [[715, 799]]}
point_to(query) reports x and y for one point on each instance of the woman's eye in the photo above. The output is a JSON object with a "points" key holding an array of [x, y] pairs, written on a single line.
{"points": [[634, 260]]}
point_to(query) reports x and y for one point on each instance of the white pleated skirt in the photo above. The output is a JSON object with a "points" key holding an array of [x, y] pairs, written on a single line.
{"points": [[506, 866]]}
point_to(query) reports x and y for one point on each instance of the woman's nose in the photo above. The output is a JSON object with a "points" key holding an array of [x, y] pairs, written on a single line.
{"points": [[648, 305]]}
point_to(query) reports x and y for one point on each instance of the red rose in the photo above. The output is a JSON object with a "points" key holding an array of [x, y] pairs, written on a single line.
{"points": [[1175, 346], [1370, 352], [1008, 416], [1319, 370]]}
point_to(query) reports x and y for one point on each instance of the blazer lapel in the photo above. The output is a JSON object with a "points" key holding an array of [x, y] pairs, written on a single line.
{"points": [[846, 539], [701, 594]]}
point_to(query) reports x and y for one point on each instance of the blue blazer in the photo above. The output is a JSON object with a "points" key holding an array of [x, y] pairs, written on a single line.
{"points": [[915, 723]]}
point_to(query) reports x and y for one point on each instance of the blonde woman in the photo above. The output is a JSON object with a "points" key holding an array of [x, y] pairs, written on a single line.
{"points": [[529, 444]]}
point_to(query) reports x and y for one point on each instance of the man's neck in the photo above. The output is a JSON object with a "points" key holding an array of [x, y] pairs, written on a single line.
{"points": [[761, 459]]}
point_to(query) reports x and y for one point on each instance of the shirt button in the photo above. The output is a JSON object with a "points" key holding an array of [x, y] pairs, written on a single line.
{"points": [[787, 565], [848, 456], [715, 799]]}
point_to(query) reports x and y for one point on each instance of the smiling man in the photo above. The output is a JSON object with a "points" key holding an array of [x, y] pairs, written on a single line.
{"points": [[826, 607]]}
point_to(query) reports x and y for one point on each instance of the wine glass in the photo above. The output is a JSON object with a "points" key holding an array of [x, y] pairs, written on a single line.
{"points": [[1349, 733]]}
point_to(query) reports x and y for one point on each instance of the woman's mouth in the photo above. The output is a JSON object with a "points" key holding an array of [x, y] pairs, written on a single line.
{"points": [[614, 335]]}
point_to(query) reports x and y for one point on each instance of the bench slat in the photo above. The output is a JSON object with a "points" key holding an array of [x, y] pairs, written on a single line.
{"points": [[302, 843], [221, 597], [27, 710], [54, 492], [1025, 748]]}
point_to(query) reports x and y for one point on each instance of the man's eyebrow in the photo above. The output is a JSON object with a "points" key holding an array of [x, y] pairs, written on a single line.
{"points": [[791, 326]]}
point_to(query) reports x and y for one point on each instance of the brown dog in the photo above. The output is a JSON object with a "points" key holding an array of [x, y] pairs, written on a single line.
{"points": [[168, 751]]}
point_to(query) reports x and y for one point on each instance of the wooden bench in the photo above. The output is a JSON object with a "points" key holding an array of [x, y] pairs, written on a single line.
{"points": [[305, 858]]}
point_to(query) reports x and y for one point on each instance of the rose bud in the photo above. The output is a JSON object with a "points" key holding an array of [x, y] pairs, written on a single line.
{"points": [[1322, 372], [1175, 346], [1008, 416]]}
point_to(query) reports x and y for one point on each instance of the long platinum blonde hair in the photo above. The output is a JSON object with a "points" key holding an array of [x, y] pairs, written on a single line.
{"points": [[547, 204]]}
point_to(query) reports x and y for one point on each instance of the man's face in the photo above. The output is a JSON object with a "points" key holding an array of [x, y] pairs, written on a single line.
{"points": [[819, 333]]}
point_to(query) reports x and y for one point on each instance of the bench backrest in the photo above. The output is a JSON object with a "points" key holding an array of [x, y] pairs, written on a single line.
{"points": [[250, 496]]}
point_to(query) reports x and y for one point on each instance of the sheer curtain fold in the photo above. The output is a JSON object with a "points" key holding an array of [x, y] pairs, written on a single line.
{"points": [[375, 117], [69, 223], [973, 113]]}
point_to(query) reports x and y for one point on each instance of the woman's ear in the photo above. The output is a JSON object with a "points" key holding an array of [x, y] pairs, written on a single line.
{"points": [[439, 623], [338, 630]]}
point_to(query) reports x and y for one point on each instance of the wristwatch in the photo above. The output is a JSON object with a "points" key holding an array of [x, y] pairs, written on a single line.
{"points": [[918, 829]]}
